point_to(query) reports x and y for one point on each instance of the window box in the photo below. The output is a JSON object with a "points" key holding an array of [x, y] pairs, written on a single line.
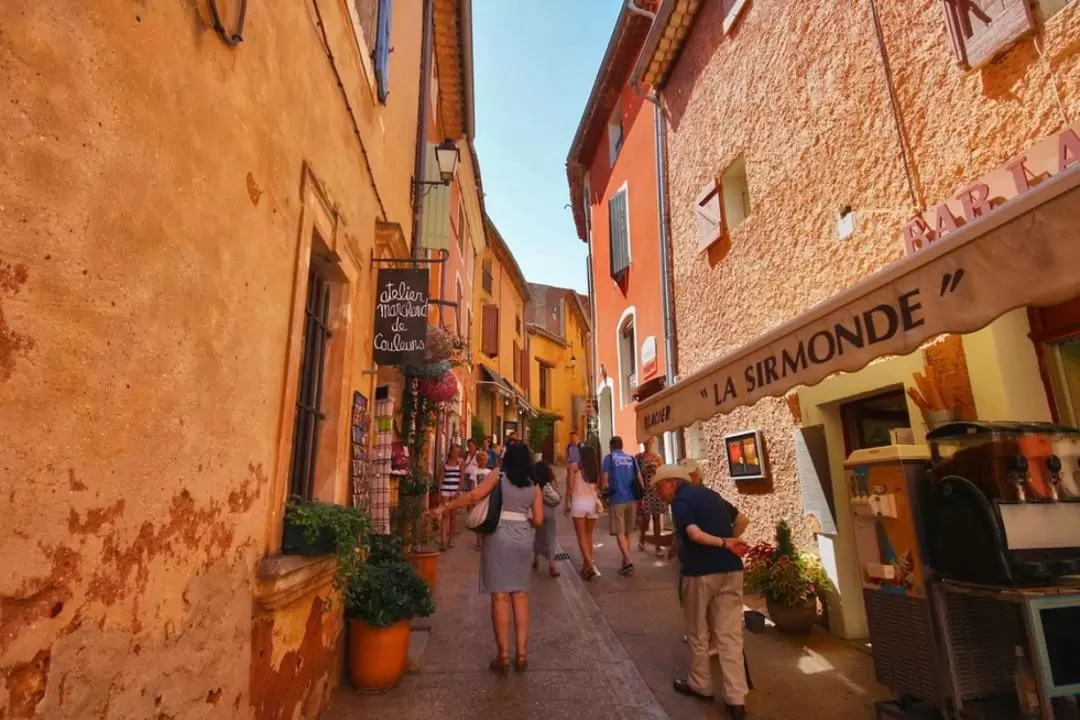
{"points": [[294, 541]]}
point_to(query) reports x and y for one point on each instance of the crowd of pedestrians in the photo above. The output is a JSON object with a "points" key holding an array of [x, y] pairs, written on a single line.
{"points": [[636, 491]]}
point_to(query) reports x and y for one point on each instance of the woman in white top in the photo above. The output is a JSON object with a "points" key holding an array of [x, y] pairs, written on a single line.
{"points": [[450, 488], [481, 473], [583, 505]]}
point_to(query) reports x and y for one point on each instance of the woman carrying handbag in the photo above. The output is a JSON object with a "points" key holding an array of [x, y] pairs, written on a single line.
{"points": [[544, 546], [506, 553]]}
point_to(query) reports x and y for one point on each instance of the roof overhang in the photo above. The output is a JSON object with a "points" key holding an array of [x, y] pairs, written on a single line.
{"points": [[454, 64], [623, 47], [1024, 253], [665, 40]]}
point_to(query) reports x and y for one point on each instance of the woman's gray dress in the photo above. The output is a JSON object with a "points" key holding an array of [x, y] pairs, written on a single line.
{"points": [[506, 554], [544, 546]]}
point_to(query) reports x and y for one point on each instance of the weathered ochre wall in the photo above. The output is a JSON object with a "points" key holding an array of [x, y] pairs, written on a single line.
{"points": [[800, 90], [149, 221]]}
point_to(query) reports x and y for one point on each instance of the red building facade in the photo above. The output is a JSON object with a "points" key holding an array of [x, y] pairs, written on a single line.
{"points": [[612, 173]]}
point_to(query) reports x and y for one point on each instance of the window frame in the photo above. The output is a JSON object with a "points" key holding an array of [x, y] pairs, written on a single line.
{"points": [[623, 190]]}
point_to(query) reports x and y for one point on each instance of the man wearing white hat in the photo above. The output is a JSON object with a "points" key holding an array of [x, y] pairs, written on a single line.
{"points": [[707, 528]]}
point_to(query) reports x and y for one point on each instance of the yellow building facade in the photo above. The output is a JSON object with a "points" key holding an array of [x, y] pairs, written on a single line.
{"points": [[500, 351], [558, 327]]}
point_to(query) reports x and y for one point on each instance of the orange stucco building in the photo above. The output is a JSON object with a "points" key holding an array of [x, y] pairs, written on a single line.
{"points": [[801, 143], [181, 218], [612, 172]]}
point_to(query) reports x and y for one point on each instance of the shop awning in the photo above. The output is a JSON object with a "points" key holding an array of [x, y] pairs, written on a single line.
{"points": [[501, 386], [1024, 253]]}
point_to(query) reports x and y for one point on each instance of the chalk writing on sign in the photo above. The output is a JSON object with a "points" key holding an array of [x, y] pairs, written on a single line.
{"points": [[401, 311]]}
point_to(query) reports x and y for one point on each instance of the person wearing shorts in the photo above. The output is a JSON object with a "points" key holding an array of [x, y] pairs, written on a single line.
{"points": [[573, 457], [582, 504], [619, 473], [450, 488]]}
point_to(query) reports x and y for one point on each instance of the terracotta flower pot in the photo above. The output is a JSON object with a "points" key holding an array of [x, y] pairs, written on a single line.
{"points": [[797, 620], [426, 565], [377, 657]]}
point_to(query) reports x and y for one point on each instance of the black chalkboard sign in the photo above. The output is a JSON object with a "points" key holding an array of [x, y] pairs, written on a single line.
{"points": [[401, 310]]}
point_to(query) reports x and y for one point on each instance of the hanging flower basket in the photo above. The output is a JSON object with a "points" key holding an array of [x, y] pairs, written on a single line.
{"points": [[431, 370], [439, 389], [440, 344]]}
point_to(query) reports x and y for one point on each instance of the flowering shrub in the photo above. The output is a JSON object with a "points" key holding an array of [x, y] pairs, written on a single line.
{"points": [[784, 575], [440, 345], [440, 389]]}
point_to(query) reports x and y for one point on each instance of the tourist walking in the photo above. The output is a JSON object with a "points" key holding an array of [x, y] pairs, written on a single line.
{"points": [[481, 473], [506, 554], [449, 488], [489, 450], [573, 457], [708, 528], [582, 505], [620, 476], [544, 545], [652, 505]]}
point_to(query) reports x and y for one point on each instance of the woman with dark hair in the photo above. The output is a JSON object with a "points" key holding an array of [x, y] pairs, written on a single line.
{"points": [[583, 505], [544, 545], [450, 488], [506, 553]]}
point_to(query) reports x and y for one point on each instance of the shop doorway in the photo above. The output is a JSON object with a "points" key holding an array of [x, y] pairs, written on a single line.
{"points": [[867, 422], [547, 448]]}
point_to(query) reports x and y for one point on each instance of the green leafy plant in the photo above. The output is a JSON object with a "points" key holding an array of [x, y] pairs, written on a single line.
{"points": [[478, 431], [384, 550], [782, 574], [382, 594], [349, 527], [540, 429]]}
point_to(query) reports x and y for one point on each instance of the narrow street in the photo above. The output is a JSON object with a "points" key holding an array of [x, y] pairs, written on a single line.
{"points": [[607, 649]]}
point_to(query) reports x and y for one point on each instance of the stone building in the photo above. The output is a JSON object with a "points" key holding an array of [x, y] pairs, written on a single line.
{"points": [[810, 146], [188, 227]]}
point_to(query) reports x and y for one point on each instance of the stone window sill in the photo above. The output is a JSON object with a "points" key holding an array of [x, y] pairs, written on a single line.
{"points": [[282, 579]]}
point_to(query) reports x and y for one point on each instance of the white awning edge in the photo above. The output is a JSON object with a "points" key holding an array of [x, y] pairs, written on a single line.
{"points": [[1024, 253]]}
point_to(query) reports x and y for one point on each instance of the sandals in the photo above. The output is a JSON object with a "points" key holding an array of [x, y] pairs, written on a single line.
{"points": [[500, 664]]}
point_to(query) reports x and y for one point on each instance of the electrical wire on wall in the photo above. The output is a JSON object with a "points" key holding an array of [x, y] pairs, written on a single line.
{"points": [[897, 119], [231, 39]]}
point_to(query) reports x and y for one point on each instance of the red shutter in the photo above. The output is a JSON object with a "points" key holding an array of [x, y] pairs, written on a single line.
{"points": [[709, 215], [489, 341], [980, 31]]}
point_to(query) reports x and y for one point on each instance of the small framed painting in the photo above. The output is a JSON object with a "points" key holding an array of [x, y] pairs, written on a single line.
{"points": [[745, 455]]}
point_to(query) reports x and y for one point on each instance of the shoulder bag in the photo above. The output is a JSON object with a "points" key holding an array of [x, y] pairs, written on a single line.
{"points": [[483, 518], [636, 487], [552, 498]]}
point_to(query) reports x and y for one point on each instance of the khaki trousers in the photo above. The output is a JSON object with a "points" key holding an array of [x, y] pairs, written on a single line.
{"points": [[716, 601]]}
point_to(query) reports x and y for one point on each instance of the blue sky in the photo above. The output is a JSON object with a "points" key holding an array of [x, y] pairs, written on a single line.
{"points": [[534, 65]]}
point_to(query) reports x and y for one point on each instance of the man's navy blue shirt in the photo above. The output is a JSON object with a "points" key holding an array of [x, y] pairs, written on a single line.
{"points": [[698, 505]]}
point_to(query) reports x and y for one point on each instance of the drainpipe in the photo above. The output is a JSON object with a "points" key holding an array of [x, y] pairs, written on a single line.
{"points": [[666, 293]]}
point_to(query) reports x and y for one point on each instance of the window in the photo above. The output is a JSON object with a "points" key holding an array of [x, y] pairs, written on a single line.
{"points": [[517, 364], [486, 279], [981, 30], [309, 412], [619, 234], [627, 359], [489, 342], [382, 50], [867, 422], [615, 132], [545, 386], [721, 208]]}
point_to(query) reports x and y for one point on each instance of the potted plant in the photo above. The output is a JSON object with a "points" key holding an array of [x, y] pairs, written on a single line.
{"points": [[540, 429], [314, 528], [380, 601], [790, 581]]}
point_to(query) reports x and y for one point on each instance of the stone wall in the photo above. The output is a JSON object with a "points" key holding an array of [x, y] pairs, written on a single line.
{"points": [[800, 91]]}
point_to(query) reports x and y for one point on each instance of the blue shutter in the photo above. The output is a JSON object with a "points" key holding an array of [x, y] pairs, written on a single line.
{"points": [[382, 49], [619, 235]]}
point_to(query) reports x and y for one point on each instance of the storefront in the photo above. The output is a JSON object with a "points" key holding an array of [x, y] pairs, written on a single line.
{"points": [[986, 305]]}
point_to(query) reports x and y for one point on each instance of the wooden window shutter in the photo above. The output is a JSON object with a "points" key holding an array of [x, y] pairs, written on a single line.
{"points": [[709, 214], [619, 233], [489, 341], [979, 30], [382, 49], [526, 375], [517, 364]]}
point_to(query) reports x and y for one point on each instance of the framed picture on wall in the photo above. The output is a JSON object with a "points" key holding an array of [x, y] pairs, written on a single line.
{"points": [[745, 455]]}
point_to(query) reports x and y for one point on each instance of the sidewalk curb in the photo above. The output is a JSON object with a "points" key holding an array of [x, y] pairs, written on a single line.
{"points": [[630, 694]]}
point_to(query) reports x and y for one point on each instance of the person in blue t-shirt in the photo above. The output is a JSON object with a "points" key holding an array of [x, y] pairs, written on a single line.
{"points": [[707, 528], [617, 484]]}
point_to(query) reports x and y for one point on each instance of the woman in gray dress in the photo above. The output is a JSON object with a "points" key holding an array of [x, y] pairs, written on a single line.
{"points": [[506, 555], [544, 546]]}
